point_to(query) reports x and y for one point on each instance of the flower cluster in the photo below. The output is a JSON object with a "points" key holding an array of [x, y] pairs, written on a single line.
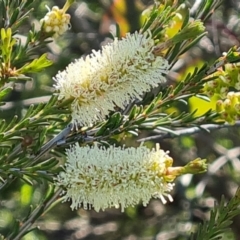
{"points": [[122, 71], [226, 79], [230, 107], [113, 177], [56, 20], [119, 177]]}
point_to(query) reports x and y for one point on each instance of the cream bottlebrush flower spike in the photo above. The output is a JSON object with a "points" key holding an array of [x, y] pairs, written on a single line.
{"points": [[113, 177], [122, 71]]}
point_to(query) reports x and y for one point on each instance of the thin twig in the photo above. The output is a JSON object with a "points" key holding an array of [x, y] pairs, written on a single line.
{"points": [[53, 142], [42, 208], [26, 102], [188, 131], [47, 147], [230, 155], [195, 7]]}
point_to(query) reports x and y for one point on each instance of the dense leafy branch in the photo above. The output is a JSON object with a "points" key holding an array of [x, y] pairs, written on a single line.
{"points": [[220, 219], [32, 144]]}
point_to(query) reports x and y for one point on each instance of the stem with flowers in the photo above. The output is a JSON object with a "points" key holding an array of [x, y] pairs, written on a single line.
{"points": [[82, 143]]}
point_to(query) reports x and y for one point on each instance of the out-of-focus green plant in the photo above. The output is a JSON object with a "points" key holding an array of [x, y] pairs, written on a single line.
{"points": [[96, 105], [220, 219]]}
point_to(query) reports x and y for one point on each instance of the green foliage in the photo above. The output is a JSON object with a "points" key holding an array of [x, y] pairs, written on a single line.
{"points": [[18, 59], [221, 218], [13, 13]]}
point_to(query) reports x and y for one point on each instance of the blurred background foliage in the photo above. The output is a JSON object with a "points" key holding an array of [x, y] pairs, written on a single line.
{"points": [[91, 22]]}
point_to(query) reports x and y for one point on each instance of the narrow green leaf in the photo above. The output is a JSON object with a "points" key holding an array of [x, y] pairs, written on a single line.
{"points": [[12, 123], [149, 109], [14, 16], [133, 112], [5, 91]]}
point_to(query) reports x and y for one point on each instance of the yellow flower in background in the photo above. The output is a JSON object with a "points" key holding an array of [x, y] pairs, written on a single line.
{"points": [[115, 177], [227, 78], [122, 71], [229, 108], [57, 20]]}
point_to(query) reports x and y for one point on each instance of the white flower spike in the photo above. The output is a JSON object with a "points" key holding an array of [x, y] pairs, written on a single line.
{"points": [[122, 71], [115, 177]]}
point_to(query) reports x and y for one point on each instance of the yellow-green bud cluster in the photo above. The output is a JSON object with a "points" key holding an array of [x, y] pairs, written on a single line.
{"points": [[56, 20], [227, 78], [230, 107]]}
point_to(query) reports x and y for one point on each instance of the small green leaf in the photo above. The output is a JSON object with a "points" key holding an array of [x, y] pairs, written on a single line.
{"points": [[14, 16], [149, 109], [133, 112], [5, 91], [36, 65]]}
